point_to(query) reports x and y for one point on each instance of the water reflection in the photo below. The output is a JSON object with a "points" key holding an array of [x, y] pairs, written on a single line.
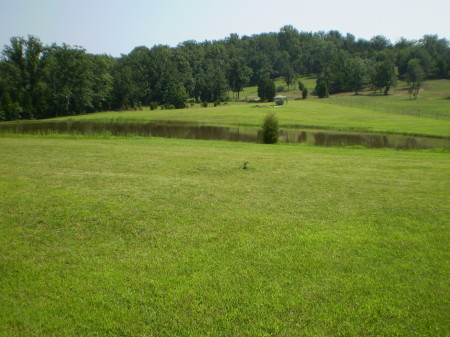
{"points": [[242, 134]]}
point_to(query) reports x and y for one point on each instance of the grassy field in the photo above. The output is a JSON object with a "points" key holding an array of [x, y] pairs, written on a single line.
{"points": [[432, 102], [391, 114], [307, 113], [163, 237]]}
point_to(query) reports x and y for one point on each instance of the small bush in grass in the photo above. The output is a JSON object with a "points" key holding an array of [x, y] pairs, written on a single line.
{"points": [[216, 103], [304, 93], [204, 104], [270, 129], [153, 105], [280, 88]]}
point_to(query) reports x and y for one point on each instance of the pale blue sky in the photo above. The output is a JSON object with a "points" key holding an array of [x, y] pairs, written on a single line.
{"points": [[116, 27]]}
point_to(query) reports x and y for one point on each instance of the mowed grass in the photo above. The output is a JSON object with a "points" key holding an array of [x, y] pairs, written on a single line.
{"points": [[433, 101], [307, 113], [426, 116], [164, 237]]}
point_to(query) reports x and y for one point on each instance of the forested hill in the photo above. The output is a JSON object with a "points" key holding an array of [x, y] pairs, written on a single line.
{"points": [[38, 81]]}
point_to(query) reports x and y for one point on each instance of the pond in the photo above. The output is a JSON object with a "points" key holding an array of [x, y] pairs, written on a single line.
{"points": [[184, 130]]}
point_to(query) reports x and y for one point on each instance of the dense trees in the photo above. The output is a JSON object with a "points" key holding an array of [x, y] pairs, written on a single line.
{"points": [[38, 81], [385, 74], [238, 75], [356, 74]]}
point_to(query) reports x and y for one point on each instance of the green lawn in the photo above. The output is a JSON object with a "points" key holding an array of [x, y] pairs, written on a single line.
{"points": [[429, 115], [432, 102], [307, 113], [164, 237]]}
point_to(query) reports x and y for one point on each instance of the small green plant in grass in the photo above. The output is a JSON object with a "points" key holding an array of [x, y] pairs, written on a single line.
{"points": [[245, 165], [270, 129], [280, 88], [305, 93]]}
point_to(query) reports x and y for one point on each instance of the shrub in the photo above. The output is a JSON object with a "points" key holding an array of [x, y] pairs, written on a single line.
{"points": [[153, 105], [322, 88], [304, 93], [280, 88], [178, 97], [216, 103], [301, 86], [204, 104], [270, 129]]}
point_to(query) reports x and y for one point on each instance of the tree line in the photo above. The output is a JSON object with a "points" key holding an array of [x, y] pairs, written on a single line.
{"points": [[38, 81]]}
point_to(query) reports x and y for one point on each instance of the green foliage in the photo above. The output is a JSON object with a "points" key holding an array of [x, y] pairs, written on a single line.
{"points": [[270, 129], [285, 68], [2, 113], [280, 88], [305, 93], [153, 105], [356, 74], [322, 88], [386, 74], [266, 89], [301, 85], [51, 81], [414, 77], [177, 97], [238, 75]]}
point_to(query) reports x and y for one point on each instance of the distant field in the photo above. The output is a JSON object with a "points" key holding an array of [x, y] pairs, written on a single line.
{"points": [[307, 113], [433, 101], [163, 237], [392, 114]]}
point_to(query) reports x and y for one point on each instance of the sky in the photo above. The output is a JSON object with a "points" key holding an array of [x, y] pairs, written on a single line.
{"points": [[115, 27]]}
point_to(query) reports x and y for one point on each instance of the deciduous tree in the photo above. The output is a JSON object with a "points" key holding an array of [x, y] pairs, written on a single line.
{"points": [[414, 77]]}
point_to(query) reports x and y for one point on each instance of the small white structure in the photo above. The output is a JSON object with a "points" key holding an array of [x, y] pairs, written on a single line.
{"points": [[279, 100]]}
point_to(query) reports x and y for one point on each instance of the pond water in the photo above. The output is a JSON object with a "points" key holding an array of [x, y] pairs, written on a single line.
{"points": [[242, 134]]}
